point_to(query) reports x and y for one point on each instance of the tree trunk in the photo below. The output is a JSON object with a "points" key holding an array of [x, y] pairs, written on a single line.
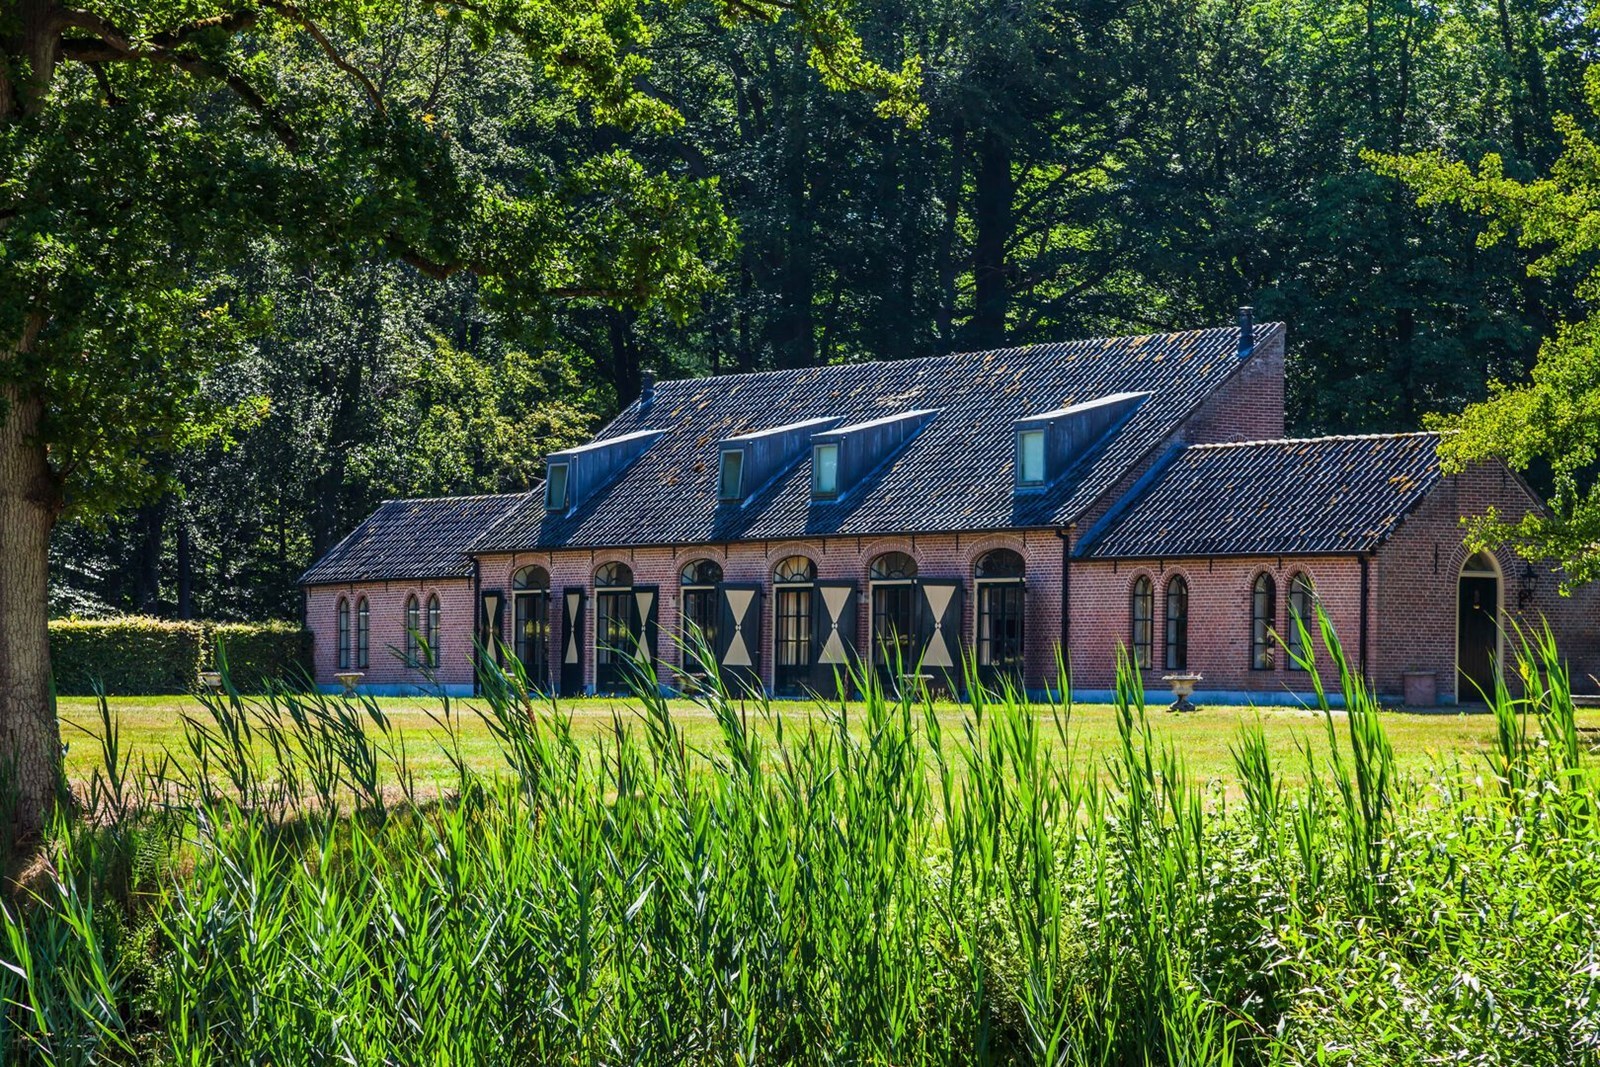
{"points": [[991, 211], [30, 502]]}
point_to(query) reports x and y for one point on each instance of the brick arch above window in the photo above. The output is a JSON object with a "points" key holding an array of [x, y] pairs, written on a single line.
{"points": [[982, 546], [871, 550], [603, 558], [519, 560]]}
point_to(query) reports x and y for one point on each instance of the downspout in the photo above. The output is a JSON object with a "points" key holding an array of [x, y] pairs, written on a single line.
{"points": [[1365, 613], [477, 631], [1065, 536]]}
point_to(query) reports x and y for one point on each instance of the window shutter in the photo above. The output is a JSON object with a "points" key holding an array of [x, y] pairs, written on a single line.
{"points": [[834, 608], [738, 646], [572, 605], [939, 631]]}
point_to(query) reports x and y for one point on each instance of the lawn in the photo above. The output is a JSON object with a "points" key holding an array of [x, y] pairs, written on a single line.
{"points": [[1420, 741]]}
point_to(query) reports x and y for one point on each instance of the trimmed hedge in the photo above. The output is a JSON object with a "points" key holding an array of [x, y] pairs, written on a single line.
{"points": [[137, 656], [262, 652]]}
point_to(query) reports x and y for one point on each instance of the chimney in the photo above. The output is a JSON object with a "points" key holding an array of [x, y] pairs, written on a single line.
{"points": [[647, 390], [1247, 332]]}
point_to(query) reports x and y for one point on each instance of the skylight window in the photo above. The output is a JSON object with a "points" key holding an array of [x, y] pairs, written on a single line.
{"points": [[1030, 457], [825, 470], [731, 483], [555, 488]]}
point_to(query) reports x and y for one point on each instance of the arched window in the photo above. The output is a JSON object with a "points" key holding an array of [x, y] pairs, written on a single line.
{"points": [[1177, 644], [1302, 614], [530, 623], [344, 634], [363, 632], [533, 577], [699, 579], [998, 577], [1141, 613], [1263, 616], [893, 577], [792, 581], [413, 632], [432, 632], [794, 569], [893, 567], [613, 576]]}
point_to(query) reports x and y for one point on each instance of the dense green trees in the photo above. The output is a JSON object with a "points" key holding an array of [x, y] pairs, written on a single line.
{"points": [[164, 162]]}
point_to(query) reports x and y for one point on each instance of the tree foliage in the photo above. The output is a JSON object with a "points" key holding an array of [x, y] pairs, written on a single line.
{"points": [[1551, 421]]}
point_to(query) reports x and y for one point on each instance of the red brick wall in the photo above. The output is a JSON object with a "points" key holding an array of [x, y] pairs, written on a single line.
{"points": [[1220, 593], [386, 602], [1418, 568]]}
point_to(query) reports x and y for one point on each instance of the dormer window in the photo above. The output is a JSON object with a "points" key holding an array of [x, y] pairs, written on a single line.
{"points": [[1051, 443], [555, 488], [825, 470], [730, 483], [1030, 457]]}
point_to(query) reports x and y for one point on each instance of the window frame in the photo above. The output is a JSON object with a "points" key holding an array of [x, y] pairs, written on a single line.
{"points": [[736, 493], [1142, 593], [413, 631], [342, 624], [431, 622], [1300, 587], [551, 503], [363, 634], [817, 451], [900, 588], [1023, 437], [1175, 646], [792, 621], [1263, 622]]}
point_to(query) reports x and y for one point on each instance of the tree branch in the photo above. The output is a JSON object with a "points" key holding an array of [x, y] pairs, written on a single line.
{"points": [[295, 15], [439, 271]]}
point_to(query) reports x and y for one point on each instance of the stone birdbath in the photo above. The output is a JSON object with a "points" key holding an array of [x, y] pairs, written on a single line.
{"points": [[212, 680], [350, 679], [1182, 689]]}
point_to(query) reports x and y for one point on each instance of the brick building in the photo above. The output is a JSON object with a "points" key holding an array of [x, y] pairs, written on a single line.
{"points": [[1004, 506]]}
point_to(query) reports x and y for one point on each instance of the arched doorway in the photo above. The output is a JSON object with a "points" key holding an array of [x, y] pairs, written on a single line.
{"points": [[530, 631], [1477, 627]]}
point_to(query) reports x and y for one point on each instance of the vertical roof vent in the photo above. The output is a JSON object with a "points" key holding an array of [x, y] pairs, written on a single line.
{"points": [[647, 390], [1247, 331]]}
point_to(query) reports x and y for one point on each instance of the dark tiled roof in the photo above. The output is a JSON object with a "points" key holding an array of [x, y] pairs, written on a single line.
{"points": [[954, 475], [412, 539], [1323, 495]]}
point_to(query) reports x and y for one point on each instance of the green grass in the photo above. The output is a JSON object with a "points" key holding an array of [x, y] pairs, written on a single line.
{"points": [[889, 883], [1421, 741]]}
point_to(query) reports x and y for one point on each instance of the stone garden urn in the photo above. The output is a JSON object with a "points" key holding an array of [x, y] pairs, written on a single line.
{"points": [[1182, 689], [350, 679], [212, 680]]}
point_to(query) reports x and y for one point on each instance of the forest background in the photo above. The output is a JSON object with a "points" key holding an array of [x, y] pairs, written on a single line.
{"points": [[1084, 168]]}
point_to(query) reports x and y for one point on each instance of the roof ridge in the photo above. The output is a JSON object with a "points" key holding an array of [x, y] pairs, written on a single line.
{"points": [[455, 497], [1317, 440], [774, 372]]}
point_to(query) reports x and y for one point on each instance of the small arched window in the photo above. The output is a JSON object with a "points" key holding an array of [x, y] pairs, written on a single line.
{"points": [[1141, 612], [701, 572], [413, 632], [531, 578], [363, 633], [1302, 616], [432, 632], [1001, 563], [893, 567], [1263, 615], [1177, 644], [344, 634], [613, 576], [794, 570]]}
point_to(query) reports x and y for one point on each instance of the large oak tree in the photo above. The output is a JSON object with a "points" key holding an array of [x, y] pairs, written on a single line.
{"points": [[146, 145]]}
